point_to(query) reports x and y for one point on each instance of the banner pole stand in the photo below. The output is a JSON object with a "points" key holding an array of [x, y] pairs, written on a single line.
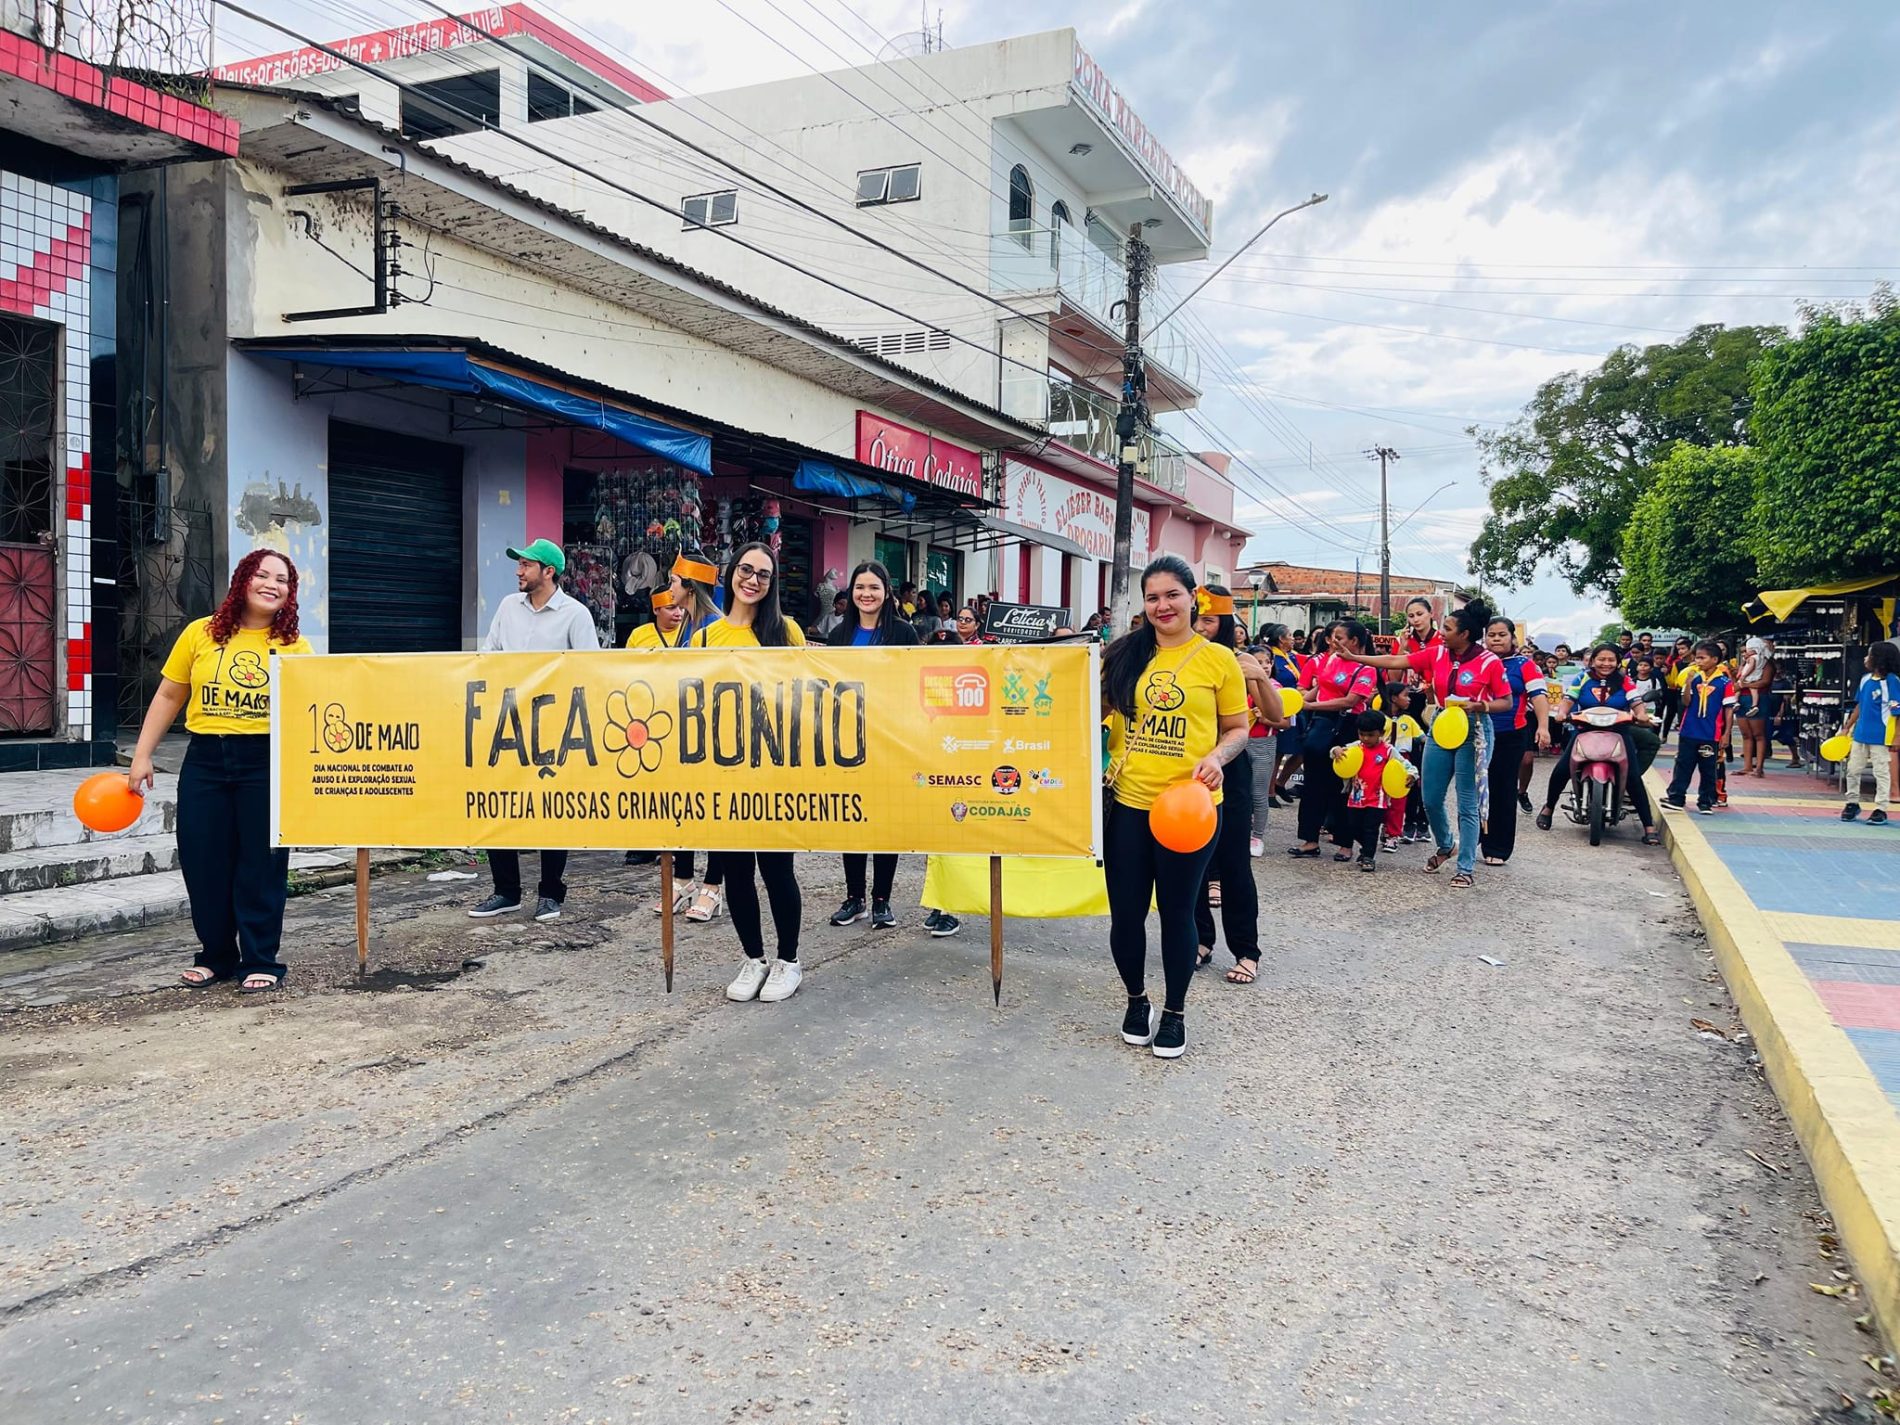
{"points": [[362, 911], [666, 916], [996, 930]]}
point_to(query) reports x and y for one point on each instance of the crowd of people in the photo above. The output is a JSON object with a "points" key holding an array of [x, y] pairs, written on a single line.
{"points": [[1380, 743]]}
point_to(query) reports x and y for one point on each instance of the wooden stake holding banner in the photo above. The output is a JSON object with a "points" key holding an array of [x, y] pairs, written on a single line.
{"points": [[666, 916], [996, 930], [362, 911]]}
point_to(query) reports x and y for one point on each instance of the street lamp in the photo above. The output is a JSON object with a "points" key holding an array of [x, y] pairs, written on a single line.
{"points": [[1256, 581], [1310, 202]]}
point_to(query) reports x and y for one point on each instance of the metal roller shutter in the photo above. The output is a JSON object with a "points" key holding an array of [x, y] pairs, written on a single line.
{"points": [[395, 542]]}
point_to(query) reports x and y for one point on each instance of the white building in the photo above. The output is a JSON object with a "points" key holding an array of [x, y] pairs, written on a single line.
{"points": [[1014, 170]]}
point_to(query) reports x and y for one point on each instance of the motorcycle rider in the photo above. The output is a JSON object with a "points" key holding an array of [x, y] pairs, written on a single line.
{"points": [[1604, 684]]}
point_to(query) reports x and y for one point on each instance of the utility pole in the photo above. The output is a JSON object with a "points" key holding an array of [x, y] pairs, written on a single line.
{"points": [[1382, 454], [1131, 423]]}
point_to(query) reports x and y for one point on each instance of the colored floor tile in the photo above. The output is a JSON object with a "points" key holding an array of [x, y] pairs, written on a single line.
{"points": [[1881, 1049], [1861, 1006]]}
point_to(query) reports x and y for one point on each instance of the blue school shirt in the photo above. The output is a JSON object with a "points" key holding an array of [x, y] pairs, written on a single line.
{"points": [[1876, 699], [1526, 678], [1702, 698]]}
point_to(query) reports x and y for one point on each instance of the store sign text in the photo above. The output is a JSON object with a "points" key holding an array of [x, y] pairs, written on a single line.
{"points": [[1045, 502], [1102, 96], [903, 451]]}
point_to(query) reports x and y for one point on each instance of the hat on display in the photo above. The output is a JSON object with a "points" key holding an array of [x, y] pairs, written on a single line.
{"points": [[542, 551]]}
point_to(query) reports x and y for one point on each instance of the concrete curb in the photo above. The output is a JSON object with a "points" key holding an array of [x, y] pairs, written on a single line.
{"points": [[1845, 1123]]}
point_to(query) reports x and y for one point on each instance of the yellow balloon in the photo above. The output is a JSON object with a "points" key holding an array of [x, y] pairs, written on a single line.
{"points": [[1395, 778], [1836, 748], [1348, 760], [1451, 727], [1378, 704], [1291, 701]]}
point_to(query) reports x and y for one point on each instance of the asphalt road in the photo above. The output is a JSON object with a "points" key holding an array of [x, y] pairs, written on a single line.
{"points": [[1390, 1182]]}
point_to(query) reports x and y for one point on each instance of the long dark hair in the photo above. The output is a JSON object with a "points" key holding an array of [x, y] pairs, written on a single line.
{"points": [[1128, 657], [230, 615], [886, 611], [1224, 624], [1356, 633], [768, 622]]}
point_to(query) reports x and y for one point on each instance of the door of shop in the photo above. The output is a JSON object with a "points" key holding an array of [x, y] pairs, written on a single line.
{"points": [[894, 555], [945, 574], [29, 410], [395, 542]]}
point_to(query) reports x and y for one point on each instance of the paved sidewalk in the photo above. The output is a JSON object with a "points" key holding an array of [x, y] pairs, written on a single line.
{"points": [[1804, 912]]}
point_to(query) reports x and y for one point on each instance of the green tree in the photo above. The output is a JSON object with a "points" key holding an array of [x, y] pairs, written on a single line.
{"points": [[1565, 475], [1827, 421], [1687, 558]]}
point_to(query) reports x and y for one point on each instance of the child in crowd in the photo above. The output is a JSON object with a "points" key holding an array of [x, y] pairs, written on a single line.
{"points": [[1698, 753], [1876, 704], [1405, 734], [1366, 799], [1648, 685]]}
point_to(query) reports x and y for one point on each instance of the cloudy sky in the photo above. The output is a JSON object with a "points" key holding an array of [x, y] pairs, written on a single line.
{"points": [[1515, 189]]}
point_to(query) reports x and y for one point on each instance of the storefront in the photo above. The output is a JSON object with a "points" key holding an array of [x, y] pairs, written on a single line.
{"points": [[1068, 553]]}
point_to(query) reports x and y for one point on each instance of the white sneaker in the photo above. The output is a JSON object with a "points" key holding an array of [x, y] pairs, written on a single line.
{"points": [[782, 982], [745, 984], [1256, 847]]}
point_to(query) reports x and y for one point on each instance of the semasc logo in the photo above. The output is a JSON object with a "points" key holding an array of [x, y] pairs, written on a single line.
{"points": [[940, 779]]}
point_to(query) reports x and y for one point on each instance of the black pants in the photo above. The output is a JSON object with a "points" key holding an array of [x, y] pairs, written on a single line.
{"points": [[505, 867], [1695, 757], [1364, 826], [1670, 706], [1499, 837], [683, 867], [1232, 865], [1560, 777], [1138, 868], [781, 889], [236, 882], [883, 873], [1320, 794]]}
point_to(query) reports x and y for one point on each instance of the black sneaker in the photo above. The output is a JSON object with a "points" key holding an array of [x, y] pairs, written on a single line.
{"points": [[946, 925], [1848, 813], [930, 921], [1675, 803], [547, 908], [1524, 801], [1878, 817], [881, 916], [496, 904], [1138, 1025], [1170, 1041], [1704, 809], [849, 913]]}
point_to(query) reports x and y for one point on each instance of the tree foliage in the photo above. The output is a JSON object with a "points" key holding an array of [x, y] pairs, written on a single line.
{"points": [[1565, 475], [1827, 420], [1687, 556]]}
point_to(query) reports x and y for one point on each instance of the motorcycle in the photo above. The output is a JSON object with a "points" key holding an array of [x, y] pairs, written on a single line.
{"points": [[1599, 770]]}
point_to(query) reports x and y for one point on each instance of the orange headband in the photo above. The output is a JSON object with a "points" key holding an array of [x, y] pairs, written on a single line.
{"points": [[662, 599], [694, 570], [1213, 605]]}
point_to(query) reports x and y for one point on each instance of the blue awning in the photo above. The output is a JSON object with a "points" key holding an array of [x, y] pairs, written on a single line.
{"points": [[821, 479], [458, 371]]}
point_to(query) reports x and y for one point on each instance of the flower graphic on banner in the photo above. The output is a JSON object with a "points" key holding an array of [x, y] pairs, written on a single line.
{"points": [[636, 731]]}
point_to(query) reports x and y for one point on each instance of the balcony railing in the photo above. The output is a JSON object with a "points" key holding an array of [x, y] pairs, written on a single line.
{"points": [[1085, 419], [1061, 259], [143, 37]]}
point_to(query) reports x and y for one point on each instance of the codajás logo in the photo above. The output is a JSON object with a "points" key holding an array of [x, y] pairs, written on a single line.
{"points": [[1007, 811], [943, 779], [959, 810], [954, 692], [1006, 781], [954, 745]]}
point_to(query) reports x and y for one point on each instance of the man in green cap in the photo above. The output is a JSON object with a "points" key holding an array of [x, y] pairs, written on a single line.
{"points": [[539, 619]]}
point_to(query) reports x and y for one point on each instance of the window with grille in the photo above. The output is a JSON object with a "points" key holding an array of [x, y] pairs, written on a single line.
{"points": [[904, 343], [902, 184], [710, 210]]}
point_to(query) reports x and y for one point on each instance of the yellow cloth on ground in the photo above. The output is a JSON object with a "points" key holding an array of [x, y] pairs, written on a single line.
{"points": [[1034, 887]]}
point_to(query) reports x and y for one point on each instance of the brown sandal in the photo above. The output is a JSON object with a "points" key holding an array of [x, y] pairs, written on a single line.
{"points": [[1464, 880], [1437, 859]]}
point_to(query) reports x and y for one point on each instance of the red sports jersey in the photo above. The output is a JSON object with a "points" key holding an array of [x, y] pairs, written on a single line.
{"points": [[1337, 677], [1367, 789], [1475, 678]]}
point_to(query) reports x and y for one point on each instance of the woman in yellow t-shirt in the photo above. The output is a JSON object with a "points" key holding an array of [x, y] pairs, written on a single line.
{"points": [[1177, 708], [221, 672], [753, 620]]}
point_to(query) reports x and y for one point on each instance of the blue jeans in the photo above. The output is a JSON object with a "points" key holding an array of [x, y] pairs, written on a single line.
{"points": [[1444, 769]]}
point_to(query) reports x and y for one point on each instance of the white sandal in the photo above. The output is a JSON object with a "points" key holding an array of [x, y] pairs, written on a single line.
{"points": [[706, 905], [682, 897]]}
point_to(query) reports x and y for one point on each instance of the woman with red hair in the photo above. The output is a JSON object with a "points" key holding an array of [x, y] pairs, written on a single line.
{"points": [[221, 671]]}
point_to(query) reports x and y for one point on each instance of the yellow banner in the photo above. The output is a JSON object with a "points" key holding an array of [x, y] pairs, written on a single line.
{"points": [[986, 750]]}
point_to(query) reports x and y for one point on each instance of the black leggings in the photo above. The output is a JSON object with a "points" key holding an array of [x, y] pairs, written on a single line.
{"points": [[1137, 868], [742, 899], [1232, 866], [1560, 777], [683, 866], [883, 874], [1499, 837], [1318, 798]]}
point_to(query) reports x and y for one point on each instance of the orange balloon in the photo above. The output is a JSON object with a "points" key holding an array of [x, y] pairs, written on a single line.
{"points": [[106, 802], [1183, 818]]}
